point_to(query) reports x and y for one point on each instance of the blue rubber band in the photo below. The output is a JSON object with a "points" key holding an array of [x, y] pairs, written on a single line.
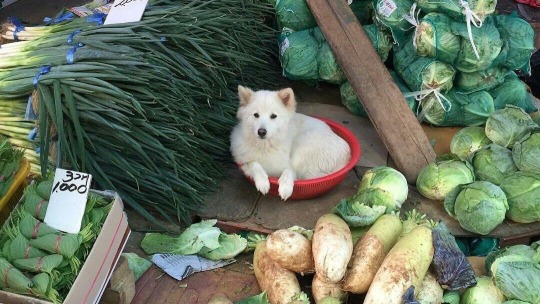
{"points": [[33, 134], [99, 18], [18, 27], [70, 37], [70, 56], [163, 39], [43, 70], [38, 150], [30, 114]]}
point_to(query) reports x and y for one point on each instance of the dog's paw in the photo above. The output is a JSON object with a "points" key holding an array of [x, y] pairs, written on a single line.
{"points": [[262, 183], [286, 186]]}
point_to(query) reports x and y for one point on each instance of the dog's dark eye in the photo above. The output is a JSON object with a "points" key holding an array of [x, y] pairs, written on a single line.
{"points": [[273, 116], [256, 115]]}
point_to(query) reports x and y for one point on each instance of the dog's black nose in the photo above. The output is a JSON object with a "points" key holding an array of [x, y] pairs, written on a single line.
{"points": [[261, 132]]}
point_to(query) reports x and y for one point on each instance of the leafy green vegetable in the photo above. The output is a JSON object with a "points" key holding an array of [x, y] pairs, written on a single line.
{"points": [[526, 153], [451, 297], [294, 14], [481, 80], [493, 163], [479, 207], [137, 264], [485, 292], [518, 38], [434, 38], [389, 181], [298, 55], [467, 141], [512, 91], [437, 179], [454, 9], [379, 39], [516, 250], [519, 280], [393, 19], [230, 246], [357, 214], [507, 126], [261, 298], [523, 193], [328, 66]]}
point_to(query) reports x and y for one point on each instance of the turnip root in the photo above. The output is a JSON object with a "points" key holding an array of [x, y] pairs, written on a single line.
{"points": [[321, 290], [332, 248], [370, 251], [430, 292], [291, 250], [406, 264], [279, 283]]}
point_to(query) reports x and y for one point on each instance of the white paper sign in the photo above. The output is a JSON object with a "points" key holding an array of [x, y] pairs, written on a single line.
{"points": [[387, 8], [68, 200], [123, 11], [182, 266]]}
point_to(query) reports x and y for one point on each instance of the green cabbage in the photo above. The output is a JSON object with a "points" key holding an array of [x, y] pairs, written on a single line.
{"points": [[437, 179], [507, 126], [493, 164], [329, 68], [379, 39], [388, 180], [526, 153], [487, 41], [435, 39], [516, 250], [298, 55], [294, 14], [363, 10], [357, 214], [485, 292], [421, 73], [451, 297], [261, 298], [516, 302], [481, 80], [523, 192], [461, 109], [452, 8], [467, 141], [518, 38], [512, 92], [519, 280], [479, 207], [390, 14]]}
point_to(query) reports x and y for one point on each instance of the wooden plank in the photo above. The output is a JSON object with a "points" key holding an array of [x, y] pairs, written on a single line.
{"points": [[121, 287], [394, 121], [536, 28]]}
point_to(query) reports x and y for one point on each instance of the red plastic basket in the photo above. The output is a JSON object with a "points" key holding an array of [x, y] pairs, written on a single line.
{"points": [[311, 188]]}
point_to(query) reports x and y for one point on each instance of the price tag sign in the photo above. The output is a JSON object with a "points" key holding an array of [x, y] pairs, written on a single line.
{"points": [[68, 200], [123, 11]]}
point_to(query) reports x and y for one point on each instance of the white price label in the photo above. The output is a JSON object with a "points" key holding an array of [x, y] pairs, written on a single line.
{"points": [[284, 46], [68, 200], [387, 8], [123, 11]]}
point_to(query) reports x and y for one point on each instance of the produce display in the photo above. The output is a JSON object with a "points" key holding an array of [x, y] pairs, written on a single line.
{"points": [[38, 260], [144, 107], [9, 165]]}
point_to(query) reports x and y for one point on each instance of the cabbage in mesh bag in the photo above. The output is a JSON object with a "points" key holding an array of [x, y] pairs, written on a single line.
{"points": [[298, 55], [434, 38], [328, 66], [481, 80], [488, 44], [512, 92], [460, 109], [294, 14], [421, 73], [379, 40], [390, 14], [353, 104], [518, 41], [456, 10]]}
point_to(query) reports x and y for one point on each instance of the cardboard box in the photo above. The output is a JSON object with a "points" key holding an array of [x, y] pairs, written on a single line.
{"points": [[99, 265]]}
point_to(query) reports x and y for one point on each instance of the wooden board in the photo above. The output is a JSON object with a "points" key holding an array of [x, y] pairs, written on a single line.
{"points": [[394, 121]]}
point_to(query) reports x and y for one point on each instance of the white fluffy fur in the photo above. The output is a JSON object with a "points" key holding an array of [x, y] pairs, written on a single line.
{"points": [[295, 146]]}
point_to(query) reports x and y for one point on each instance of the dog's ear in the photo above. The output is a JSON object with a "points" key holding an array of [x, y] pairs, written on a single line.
{"points": [[244, 94], [287, 97]]}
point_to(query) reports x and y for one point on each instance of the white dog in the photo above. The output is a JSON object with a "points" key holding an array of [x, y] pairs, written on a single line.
{"points": [[271, 139]]}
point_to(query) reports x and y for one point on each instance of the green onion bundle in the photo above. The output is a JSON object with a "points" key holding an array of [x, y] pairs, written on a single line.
{"points": [[9, 165], [144, 107]]}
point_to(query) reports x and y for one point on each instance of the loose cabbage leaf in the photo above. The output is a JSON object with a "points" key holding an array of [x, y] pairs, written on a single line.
{"points": [[261, 298], [137, 264], [452, 268], [356, 214], [230, 246]]}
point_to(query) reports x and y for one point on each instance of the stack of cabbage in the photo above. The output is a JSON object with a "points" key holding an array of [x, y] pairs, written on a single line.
{"points": [[144, 107], [458, 57], [495, 173], [38, 260], [9, 165]]}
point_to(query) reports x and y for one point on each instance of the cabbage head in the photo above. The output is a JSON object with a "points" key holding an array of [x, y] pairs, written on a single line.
{"points": [[461, 109], [453, 9], [481, 80], [507, 126], [479, 207], [359, 214], [379, 39], [493, 163], [421, 73], [329, 68], [518, 279], [451, 297], [363, 10], [298, 55], [516, 250], [487, 41], [467, 141], [518, 41], [514, 92], [435, 39], [388, 180], [389, 14], [523, 193], [526, 153], [295, 15], [485, 292], [437, 179]]}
